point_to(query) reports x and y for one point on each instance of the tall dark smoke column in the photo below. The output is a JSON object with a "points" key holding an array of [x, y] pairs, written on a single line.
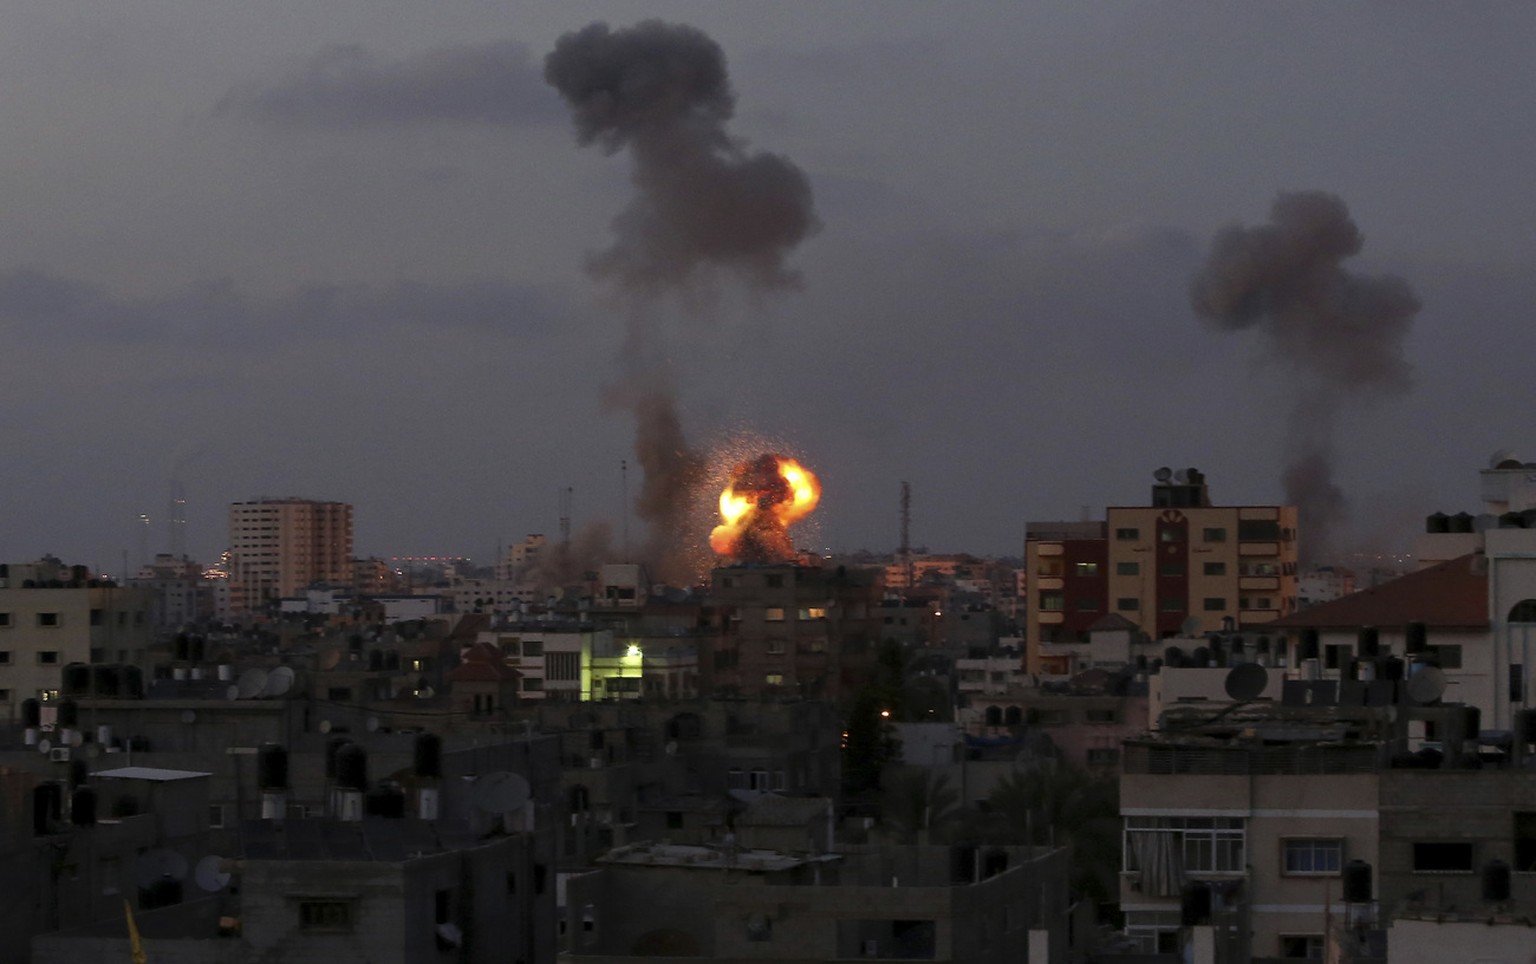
{"points": [[1341, 333], [703, 208]]}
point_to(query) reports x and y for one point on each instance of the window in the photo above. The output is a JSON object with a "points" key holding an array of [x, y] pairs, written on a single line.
{"points": [[1086, 570], [325, 915], [47, 657], [1214, 569], [1301, 947], [775, 582], [1103, 756], [216, 815], [814, 612], [1127, 568], [759, 927], [47, 619], [96, 617], [1525, 841], [1127, 604], [775, 647], [1127, 535], [562, 666], [533, 647], [1099, 715], [5, 619], [1170, 535], [5, 657], [774, 679], [1442, 858], [443, 905], [774, 614], [1214, 535], [1087, 604], [1049, 567], [1215, 604], [1258, 530], [1337, 657], [1052, 602], [1516, 683], [674, 820], [1449, 657], [1208, 844], [1171, 605], [1312, 855]]}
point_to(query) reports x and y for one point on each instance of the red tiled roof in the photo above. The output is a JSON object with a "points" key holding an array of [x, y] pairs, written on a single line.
{"points": [[1453, 594], [476, 671]]}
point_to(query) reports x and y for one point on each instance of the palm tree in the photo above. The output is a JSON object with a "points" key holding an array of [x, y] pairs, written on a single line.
{"points": [[1057, 803], [917, 806]]}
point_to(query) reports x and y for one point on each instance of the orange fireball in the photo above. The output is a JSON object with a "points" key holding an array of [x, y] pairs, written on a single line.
{"points": [[764, 497]]}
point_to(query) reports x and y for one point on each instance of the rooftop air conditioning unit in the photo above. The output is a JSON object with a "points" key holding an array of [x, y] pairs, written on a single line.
{"points": [[59, 754]]}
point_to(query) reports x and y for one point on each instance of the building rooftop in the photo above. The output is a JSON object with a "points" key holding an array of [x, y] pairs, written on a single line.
{"points": [[372, 839], [707, 858], [156, 774], [1451, 595]]}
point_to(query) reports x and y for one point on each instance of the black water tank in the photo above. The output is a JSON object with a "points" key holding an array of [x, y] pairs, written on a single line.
{"points": [[1471, 722], [375, 659], [1437, 522], [1496, 879], [1368, 642], [962, 863], [1417, 636], [31, 713], [181, 649], [133, 683], [82, 807], [272, 767], [47, 802], [69, 713], [107, 680], [352, 767], [429, 755], [332, 747], [76, 680], [197, 649], [77, 773], [1357, 882], [1390, 668], [1201, 656], [1195, 904]]}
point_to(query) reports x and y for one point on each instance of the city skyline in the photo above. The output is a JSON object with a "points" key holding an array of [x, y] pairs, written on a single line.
{"points": [[340, 255]]}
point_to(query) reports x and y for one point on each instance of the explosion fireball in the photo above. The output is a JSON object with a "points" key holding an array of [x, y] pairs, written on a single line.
{"points": [[763, 498]]}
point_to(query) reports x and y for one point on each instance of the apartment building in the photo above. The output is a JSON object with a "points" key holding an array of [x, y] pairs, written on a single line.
{"points": [[278, 547], [1179, 566], [52, 615]]}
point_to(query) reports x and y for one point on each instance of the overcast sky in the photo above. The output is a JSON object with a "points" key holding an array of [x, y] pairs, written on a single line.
{"points": [[337, 250]]}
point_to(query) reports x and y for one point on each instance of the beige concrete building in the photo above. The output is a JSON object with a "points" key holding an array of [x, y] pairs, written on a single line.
{"points": [[278, 547], [1179, 566], [52, 615]]}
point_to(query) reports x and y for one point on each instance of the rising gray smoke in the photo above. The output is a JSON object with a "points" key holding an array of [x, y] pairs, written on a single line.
{"points": [[703, 208], [1342, 333]]}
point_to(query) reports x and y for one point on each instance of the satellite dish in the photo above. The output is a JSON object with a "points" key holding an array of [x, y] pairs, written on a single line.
{"points": [[1163, 474], [325, 726], [1246, 681], [499, 792], [1190, 627], [372, 724], [1181, 476], [252, 682], [210, 873], [232, 693], [330, 658], [159, 864], [1501, 458], [44, 745], [1425, 686], [92, 751], [188, 716], [279, 681]]}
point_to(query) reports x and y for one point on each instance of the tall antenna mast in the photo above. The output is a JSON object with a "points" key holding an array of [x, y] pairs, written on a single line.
{"points": [[906, 533], [176, 520], [624, 485], [565, 515]]}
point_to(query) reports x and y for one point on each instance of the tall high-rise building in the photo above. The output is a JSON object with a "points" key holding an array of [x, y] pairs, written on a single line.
{"points": [[279, 547], [1177, 566]]}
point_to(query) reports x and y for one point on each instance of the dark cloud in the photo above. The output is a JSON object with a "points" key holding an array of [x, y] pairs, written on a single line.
{"points": [[347, 85], [37, 303]]}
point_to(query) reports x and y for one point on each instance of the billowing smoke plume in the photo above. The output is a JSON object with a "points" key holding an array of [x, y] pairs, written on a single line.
{"points": [[1342, 333], [704, 208]]}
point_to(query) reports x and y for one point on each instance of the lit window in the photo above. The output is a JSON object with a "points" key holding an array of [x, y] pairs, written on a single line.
{"points": [[774, 614], [1086, 569], [774, 679], [1052, 602]]}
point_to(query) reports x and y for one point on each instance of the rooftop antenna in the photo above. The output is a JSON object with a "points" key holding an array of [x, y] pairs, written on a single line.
{"points": [[176, 520], [565, 515], [906, 533], [624, 486], [143, 539]]}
